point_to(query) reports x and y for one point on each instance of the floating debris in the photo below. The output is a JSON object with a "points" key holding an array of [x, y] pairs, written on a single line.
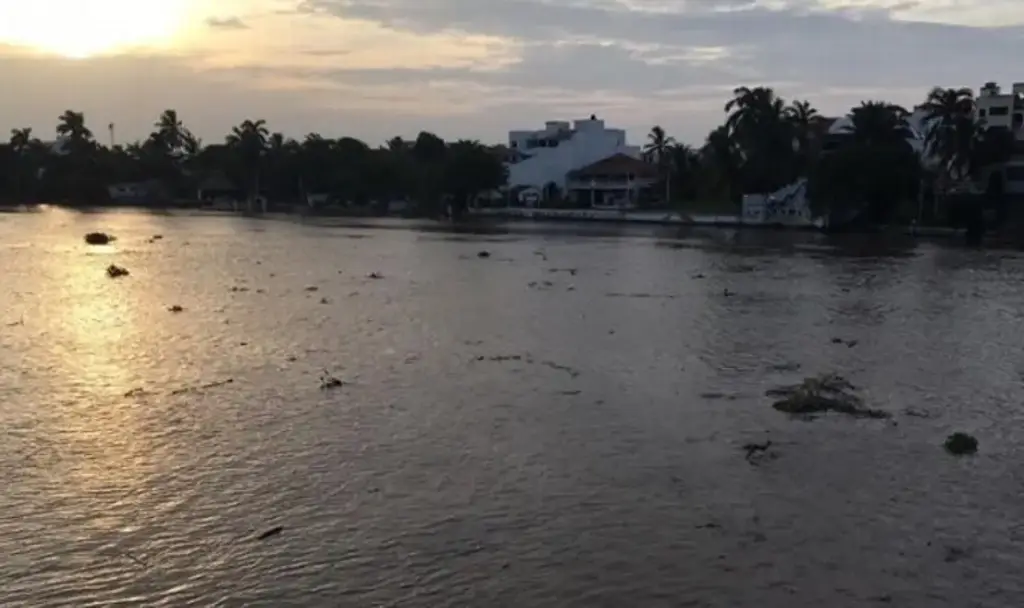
{"points": [[324, 301], [238, 289], [960, 444], [176, 308], [312, 288], [375, 275], [327, 381], [847, 343], [193, 389], [822, 394], [562, 368], [616, 294], [503, 358], [99, 238], [483, 254], [753, 449], [571, 271], [114, 271], [270, 533], [157, 237]]}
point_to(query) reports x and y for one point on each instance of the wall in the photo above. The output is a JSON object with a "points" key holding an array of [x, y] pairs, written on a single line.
{"points": [[589, 143]]}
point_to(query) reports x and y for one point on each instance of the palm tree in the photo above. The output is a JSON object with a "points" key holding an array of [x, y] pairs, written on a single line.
{"points": [[720, 155], [684, 166], [71, 125], [951, 130], [802, 116], [21, 140], [24, 149], [763, 137], [658, 150], [249, 141], [750, 109], [879, 123], [172, 131]]}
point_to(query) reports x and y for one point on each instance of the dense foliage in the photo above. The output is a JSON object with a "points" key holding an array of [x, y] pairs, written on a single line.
{"points": [[866, 164], [253, 160]]}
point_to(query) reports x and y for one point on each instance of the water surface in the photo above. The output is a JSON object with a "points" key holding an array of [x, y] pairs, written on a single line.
{"points": [[558, 424]]}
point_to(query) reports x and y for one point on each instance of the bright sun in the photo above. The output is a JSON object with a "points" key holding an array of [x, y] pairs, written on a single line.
{"points": [[86, 28]]}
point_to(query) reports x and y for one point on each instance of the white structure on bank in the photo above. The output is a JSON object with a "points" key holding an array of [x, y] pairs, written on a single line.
{"points": [[549, 154], [1000, 109]]}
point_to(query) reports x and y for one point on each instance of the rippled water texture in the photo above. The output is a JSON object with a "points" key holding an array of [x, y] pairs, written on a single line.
{"points": [[558, 424]]}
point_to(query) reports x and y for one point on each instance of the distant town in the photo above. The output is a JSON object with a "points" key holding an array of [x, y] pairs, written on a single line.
{"points": [[956, 159]]}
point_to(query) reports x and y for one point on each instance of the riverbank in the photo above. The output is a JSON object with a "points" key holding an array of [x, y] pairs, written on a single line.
{"points": [[677, 218]]}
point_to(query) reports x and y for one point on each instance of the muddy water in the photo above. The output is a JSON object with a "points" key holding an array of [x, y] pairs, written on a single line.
{"points": [[558, 424]]}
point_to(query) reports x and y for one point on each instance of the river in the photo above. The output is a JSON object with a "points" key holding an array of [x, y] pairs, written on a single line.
{"points": [[558, 424]]}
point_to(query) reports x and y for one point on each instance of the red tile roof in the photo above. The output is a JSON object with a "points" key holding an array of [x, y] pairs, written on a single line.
{"points": [[617, 164]]}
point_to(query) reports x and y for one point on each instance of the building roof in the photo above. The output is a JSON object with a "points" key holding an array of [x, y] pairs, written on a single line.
{"points": [[617, 164], [216, 181]]}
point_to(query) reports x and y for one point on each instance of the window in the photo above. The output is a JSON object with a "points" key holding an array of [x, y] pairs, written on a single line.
{"points": [[999, 111], [981, 113], [1015, 173]]}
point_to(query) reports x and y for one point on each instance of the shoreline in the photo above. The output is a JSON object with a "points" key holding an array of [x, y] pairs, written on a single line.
{"points": [[678, 218], [518, 214]]}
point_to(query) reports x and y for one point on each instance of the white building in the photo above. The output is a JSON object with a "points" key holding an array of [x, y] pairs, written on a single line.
{"points": [[1000, 109], [549, 154]]}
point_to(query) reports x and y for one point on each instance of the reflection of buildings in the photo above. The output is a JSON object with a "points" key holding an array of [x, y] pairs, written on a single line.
{"points": [[584, 160]]}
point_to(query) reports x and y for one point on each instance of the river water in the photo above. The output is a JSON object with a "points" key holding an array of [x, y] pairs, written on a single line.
{"points": [[558, 424]]}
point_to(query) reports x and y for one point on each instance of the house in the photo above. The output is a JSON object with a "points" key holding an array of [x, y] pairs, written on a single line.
{"points": [[138, 193], [217, 187], [1006, 110], [543, 159], [618, 181]]}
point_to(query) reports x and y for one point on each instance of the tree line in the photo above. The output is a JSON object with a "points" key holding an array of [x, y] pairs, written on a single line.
{"points": [[255, 160], [869, 165], [764, 144]]}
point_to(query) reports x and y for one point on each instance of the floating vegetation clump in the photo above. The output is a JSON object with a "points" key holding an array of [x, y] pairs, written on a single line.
{"points": [[114, 271], [823, 394], [327, 381], [98, 238], [961, 444]]}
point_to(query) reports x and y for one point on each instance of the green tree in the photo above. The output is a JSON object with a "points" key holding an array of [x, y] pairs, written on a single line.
{"points": [[873, 172], [659, 151], [470, 169], [249, 142]]}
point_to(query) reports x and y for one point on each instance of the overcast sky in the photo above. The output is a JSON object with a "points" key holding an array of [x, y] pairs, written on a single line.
{"points": [[477, 68]]}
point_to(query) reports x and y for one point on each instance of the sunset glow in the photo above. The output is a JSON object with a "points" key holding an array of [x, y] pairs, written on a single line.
{"points": [[80, 29]]}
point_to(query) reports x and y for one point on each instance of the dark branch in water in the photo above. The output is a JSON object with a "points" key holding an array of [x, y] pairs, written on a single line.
{"points": [[270, 533], [192, 389]]}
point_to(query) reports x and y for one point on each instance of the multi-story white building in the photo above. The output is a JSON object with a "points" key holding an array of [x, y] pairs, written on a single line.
{"points": [[1006, 109], [1000, 109], [548, 155]]}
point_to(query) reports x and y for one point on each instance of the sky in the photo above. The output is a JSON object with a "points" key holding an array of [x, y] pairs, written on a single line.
{"points": [[475, 69]]}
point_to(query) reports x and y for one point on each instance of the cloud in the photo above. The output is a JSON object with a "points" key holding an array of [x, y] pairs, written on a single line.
{"points": [[477, 68], [226, 23]]}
